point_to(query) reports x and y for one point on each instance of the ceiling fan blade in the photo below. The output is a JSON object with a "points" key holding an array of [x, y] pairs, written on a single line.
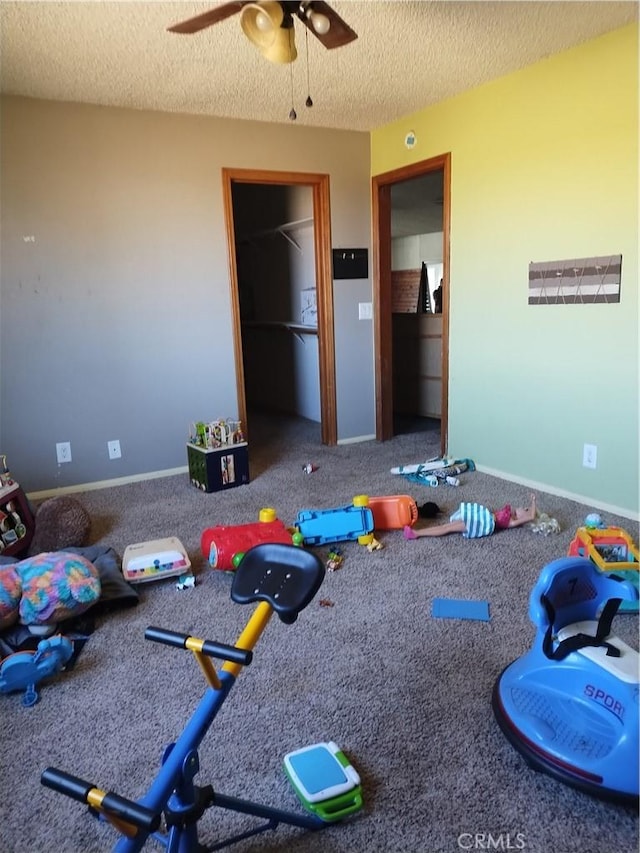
{"points": [[207, 19], [338, 34]]}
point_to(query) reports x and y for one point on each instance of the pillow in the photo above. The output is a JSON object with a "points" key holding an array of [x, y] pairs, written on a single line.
{"points": [[56, 586], [60, 522]]}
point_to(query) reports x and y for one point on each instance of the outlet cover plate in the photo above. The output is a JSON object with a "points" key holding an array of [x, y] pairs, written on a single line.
{"points": [[63, 452], [114, 449], [590, 456]]}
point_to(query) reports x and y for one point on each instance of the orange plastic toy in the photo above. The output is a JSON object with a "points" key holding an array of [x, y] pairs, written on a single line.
{"points": [[393, 512]]}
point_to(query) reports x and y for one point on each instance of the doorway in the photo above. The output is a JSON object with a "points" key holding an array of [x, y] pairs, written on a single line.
{"points": [[319, 186], [382, 203]]}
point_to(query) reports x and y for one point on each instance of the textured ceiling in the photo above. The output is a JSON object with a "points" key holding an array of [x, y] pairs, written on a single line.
{"points": [[407, 55]]}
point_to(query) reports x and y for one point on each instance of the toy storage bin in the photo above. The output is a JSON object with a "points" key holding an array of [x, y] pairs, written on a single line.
{"points": [[16, 521], [214, 470]]}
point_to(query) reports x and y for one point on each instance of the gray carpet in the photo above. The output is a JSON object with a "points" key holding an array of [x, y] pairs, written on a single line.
{"points": [[405, 695]]}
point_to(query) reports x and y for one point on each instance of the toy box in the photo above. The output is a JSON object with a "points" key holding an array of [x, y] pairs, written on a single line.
{"points": [[217, 469]]}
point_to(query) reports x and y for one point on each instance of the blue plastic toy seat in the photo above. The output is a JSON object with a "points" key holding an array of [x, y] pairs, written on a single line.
{"points": [[572, 590]]}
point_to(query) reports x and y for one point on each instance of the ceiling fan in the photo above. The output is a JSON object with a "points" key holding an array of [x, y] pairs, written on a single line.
{"points": [[269, 24]]}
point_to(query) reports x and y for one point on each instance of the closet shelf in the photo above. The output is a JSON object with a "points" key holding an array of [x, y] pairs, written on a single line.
{"points": [[298, 329], [283, 230]]}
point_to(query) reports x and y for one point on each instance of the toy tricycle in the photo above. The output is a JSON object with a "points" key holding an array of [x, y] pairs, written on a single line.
{"points": [[275, 578]]}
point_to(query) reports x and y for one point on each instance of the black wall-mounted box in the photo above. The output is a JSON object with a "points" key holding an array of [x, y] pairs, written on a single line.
{"points": [[350, 263]]}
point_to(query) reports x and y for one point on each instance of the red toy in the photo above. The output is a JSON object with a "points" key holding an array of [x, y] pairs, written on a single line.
{"points": [[224, 547]]}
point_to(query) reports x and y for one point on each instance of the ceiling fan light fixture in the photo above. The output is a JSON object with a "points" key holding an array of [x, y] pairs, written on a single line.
{"points": [[266, 26], [320, 23], [263, 22], [260, 22], [283, 48]]}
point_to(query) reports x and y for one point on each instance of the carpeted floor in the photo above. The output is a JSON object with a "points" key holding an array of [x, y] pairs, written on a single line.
{"points": [[406, 695]]}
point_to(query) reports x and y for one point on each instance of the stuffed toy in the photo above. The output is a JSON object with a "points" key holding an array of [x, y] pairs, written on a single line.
{"points": [[46, 589]]}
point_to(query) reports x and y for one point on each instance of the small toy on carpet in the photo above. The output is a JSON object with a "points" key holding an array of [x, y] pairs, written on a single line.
{"points": [[460, 608], [544, 524], [436, 471], [335, 559]]}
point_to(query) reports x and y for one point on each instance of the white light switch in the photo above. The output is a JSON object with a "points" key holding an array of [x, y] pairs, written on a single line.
{"points": [[365, 311]]}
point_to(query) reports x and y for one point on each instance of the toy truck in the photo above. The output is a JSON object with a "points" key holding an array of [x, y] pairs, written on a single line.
{"points": [[339, 524]]}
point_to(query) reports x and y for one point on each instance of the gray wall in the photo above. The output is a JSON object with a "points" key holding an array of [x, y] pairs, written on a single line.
{"points": [[115, 306]]}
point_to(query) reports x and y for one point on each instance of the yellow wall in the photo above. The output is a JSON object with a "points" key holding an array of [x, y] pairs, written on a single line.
{"points": [[544, 167]]}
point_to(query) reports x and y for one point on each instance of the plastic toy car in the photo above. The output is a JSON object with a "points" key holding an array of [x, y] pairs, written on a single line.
{"points": [[393, 512], [224, 546], [340, 524]]}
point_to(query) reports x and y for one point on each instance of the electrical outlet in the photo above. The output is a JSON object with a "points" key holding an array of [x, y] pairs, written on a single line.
{"points": [[114, 449], [63, 451], [590, 456], [365, 311]]}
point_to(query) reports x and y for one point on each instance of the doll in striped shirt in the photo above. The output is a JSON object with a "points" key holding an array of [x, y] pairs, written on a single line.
{"points": [[474, 521]]}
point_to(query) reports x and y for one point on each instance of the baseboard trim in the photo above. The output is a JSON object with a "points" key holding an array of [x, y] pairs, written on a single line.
{"points": [[561, 493], [170, 472], [106, 484], [356, 439]]}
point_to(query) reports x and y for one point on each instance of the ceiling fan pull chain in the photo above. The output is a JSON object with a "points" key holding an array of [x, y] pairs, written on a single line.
{"points": [[308, 102], [292, 113]]}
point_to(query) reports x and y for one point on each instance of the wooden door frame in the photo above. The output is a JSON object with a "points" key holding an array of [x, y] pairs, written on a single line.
{"points": [[383, 325], [324, 287]]}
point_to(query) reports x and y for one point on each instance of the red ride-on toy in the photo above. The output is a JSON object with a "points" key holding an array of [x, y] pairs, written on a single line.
{"points": [[224, 546]]}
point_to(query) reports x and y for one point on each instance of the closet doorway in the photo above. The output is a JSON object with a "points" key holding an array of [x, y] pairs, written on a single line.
{"points": [[386, 188], [269, 322]]}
